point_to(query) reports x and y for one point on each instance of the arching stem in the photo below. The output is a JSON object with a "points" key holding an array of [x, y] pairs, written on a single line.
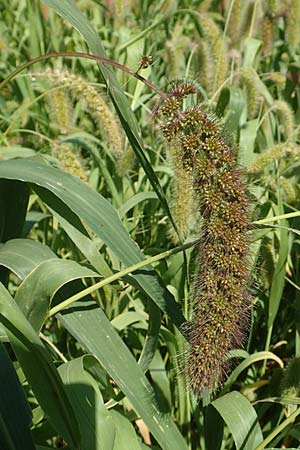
{"points": [[99, 59]]}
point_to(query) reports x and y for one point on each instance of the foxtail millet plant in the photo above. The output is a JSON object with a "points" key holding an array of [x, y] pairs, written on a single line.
{"points": [[267, 264], [182, 196], [69, 160], [61, 111], [272, 7], [250, 81], [175, 48], [293, 25], [276, 152], [286, 117], [97, 105], [221, 302], [204, 6], [290, 385], [213, 55], [234, 24], [267, 34]]}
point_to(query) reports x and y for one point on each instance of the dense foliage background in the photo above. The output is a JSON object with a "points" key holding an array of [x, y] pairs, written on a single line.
{"points": [[92, 351]]}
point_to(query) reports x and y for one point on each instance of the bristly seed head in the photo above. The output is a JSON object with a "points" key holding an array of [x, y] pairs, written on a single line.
{"points": [[221, 302]]}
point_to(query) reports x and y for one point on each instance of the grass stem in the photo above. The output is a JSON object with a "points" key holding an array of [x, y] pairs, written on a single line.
{"points": [[118, 275]]}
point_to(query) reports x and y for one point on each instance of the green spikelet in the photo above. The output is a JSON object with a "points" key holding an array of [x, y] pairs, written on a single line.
{"points": [[234, 26], [267, 261], [96, 105], [267, 35], [61, 110], [205, 5], [175, 52], [217, 49], [250, 80], [291, 377], [206, 63], [286, 117], [293, 25], [118, 13], [290, 383], [276, 152], [3, 47], [265, 122], [173, 65], [272, 7], [289, 190], [69, 160], [126, 162], [182, 192], [221, 302], [277, 78]]}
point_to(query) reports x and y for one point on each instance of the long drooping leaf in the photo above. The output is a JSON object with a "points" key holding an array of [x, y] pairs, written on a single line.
{"points": [[21, 256], [73, 199], [213, 429], [248, 361], [252, 47], [150, 345], [97, 428], [162, 383], [5, 437], [125, 435], [14, 408], [13, 206], [37, 290], [46, 274], [87, 246], [89, 325], [241, 419], [231, 104], [42, 447], [279, 276], [39, 369]]}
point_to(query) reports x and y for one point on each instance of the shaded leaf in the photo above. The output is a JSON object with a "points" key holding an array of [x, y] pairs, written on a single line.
{"points": [[89, 325], [241, 419], [72, 198], [37, 290], [21, 256], [97, 427], [14, 409], [37, 365]]}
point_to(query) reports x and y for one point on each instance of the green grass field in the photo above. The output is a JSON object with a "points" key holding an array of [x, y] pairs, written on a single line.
{"points": [[149, 228]]}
